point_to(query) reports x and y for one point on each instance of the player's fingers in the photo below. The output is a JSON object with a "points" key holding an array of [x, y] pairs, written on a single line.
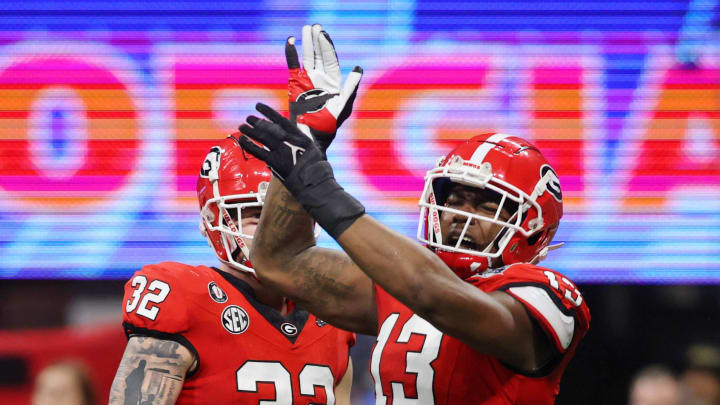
{"points": [[291, 55], [329, 57], [351, 84], [253, 149], [252, 120], [276, 117], [270, 113], [317, 53], [267, 127], [348, 94], [261, 133], [307, 48]]}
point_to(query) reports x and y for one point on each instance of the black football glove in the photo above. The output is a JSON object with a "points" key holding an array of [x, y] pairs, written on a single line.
{"points": [[300, 164], [284, 143]]}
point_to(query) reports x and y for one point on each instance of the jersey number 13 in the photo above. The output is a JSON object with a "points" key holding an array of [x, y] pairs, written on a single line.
{"points": [[417, 363]]}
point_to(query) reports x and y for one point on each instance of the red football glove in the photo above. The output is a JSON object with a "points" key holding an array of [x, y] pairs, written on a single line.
{"points": [[317, 103]]}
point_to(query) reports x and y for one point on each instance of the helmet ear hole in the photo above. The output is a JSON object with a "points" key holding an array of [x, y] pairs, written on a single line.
{"points": [[534, 238]]}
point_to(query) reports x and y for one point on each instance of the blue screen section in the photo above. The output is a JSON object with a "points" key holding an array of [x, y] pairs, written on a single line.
{"points": [[109, 107]]}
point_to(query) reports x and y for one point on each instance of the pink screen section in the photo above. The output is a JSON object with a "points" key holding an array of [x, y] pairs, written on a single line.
{"points": [[99, 156]]}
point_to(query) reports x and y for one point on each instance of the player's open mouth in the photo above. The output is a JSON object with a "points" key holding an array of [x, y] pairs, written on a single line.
{"points": [[467, 242]]}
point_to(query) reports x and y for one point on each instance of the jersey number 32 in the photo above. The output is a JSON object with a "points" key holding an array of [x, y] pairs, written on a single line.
{"points": [[156, 293]]}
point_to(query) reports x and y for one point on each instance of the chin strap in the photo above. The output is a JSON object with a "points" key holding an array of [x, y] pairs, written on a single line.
{"points": [[203, 231], [544, 252], [463, 265]]}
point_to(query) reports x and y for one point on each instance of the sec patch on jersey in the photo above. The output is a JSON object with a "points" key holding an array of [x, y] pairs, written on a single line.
{"points": [[235, 320]]}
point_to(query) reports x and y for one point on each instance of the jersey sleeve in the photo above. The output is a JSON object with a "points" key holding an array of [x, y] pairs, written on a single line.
{"points": [[552, 300], [154, 304], [557, 323]]}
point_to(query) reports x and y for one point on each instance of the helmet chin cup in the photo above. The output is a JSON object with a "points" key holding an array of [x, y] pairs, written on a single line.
{"points": [[463, 264]]}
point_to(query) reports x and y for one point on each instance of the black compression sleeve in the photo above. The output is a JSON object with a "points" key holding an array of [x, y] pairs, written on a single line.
{"points": [[316, 189]]}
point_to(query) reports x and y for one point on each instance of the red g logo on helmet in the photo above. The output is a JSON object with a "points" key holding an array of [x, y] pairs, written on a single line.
{"points": [[212, 161], [551, 181]]}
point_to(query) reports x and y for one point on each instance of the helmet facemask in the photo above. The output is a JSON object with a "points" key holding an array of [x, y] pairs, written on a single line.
{"points": [[230, 183], [224, 214], [517, 203]]}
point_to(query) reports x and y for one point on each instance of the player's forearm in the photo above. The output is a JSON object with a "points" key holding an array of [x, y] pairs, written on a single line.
{"points": [[151, 370], [161, 389], [328, 284], [285, 229], [418, 278], [393, 261], [323, 281]]}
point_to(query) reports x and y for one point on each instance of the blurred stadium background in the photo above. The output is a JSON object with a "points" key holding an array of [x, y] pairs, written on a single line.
{"points": [[108, 107]]}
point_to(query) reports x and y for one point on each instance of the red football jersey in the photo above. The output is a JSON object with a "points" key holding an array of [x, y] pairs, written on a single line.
{"points": [[412, 360], [247, 351]]}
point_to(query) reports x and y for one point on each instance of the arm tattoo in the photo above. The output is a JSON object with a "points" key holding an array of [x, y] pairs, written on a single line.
{"points": [[146, 376], [310, 272], [323, 281], [283, 216], [316, 276], [163, 349], [287, 223]]}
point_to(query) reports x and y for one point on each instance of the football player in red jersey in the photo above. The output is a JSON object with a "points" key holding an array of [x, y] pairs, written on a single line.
{"points": [[215, 335], [465, 318]]}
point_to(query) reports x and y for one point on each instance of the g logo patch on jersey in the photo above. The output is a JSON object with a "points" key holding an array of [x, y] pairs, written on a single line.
{"points": [[289, 329], [217, 293], [552, 181], [235, 320]]}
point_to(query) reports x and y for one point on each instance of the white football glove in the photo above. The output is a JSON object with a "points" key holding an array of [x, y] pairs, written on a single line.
{"points": [[318, 105]]}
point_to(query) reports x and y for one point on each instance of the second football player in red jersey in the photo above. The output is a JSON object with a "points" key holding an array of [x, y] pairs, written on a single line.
{"points": [[466, 318], [215, 335]]}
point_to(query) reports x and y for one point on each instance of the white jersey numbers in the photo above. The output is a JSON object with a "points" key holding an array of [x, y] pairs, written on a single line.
{"points": [[312, 376], [383, 335], [571, 293], [417, 363], [253, 372], [139, 282], [156, 292]]}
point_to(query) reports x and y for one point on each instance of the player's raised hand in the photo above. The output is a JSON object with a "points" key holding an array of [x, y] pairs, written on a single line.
{"points": [[285, 146], [300, 164], [318, 103]]}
